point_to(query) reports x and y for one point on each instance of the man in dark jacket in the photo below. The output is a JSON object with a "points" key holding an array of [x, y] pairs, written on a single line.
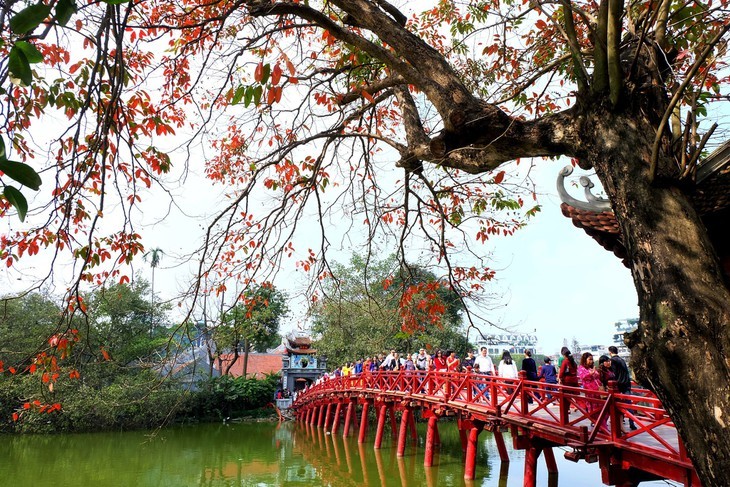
{"points": [[622, 376]]}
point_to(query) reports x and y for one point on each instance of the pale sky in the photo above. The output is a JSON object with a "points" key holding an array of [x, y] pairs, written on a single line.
{"points": [[561, 282]]}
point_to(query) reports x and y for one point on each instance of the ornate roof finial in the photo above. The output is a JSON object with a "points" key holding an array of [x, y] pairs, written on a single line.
{"points": [[594, 202]]}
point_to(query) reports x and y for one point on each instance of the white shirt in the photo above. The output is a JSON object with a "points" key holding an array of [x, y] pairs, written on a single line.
{"points": [[485, 364], [508, 371]]}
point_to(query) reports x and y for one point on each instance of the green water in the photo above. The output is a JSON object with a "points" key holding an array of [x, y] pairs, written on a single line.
{"points": [[259, 454]]}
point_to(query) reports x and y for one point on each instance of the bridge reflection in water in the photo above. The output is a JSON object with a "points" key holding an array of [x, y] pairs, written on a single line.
{"points": [[342, 461], [539, 417]]}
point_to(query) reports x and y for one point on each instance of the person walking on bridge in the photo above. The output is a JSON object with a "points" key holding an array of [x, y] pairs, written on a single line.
{"points": [[484, 362], [530, 368], [507, 367], [484, 366], [439, 362], [591, 380], [422, 360], [568, 375], [623, 377], [549, 375]]}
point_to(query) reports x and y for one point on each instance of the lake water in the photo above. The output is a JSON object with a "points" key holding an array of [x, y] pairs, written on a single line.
{"points": [[261, 454]]}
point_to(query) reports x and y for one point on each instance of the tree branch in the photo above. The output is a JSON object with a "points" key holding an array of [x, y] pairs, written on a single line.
{"points": [[371, 89], [678, 95], [418, 141], [613, 55], [600, 54], [660, 32], [570, 35]]}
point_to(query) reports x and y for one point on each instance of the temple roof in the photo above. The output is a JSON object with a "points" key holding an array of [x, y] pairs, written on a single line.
{"points": [[299, 344], [711, 198]]}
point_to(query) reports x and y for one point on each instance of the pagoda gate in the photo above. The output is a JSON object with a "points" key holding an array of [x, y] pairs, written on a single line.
{"points": [[301, 366]]}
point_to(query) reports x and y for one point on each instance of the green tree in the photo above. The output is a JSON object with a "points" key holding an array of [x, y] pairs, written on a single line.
{"points": [[252, 324], [120, 319], [23, 321], [362, 314], [155, 257]]}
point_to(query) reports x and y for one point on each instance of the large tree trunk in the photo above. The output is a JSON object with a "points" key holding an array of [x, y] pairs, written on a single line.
{"points": [[681, 347]]}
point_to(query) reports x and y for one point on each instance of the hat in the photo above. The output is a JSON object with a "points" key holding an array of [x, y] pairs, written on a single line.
{"points": [[548, 360], [603, 358]]}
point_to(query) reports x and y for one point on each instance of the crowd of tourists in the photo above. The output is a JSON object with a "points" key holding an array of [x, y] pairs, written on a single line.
{"points": [[439, 361], [585, 373]]}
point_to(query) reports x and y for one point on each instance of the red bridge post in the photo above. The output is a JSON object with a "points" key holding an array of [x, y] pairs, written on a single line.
{"points": [[501, 447], [470, 465], [381, 426], [393, 422], [531, 456], [348, 418], [327, 416], [431, 433], [321, 415], [412, 426], [363, 422], [403, 431], [315, 415], [354, 422], [463, 427], [552, 466], [336, 420]]}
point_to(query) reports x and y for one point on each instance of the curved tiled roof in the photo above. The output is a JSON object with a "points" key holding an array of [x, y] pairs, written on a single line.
{"points": [[711, 198]]}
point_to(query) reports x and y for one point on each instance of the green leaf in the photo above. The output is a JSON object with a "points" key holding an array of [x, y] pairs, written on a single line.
{"points": [[247, 96], [19, 66], [17, 199], [64, 10], [2, 149], [32, 54], [22, 173], [238, 95], [265, 74], [257, 94], [29, 18]]}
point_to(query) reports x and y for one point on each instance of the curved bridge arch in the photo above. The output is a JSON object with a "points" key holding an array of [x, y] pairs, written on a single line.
{"points": [[539, 416]]}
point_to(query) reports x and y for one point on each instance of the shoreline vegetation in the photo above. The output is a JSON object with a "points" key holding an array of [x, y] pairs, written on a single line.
{"points": [[136, 406]]}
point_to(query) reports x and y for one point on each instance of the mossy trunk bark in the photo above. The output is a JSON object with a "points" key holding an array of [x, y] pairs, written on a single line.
{"points": [[681, 347]]}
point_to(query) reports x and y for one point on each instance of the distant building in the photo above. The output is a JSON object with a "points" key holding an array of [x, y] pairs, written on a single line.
{"points": [[622, 328], [258, 366], [512, 342]]}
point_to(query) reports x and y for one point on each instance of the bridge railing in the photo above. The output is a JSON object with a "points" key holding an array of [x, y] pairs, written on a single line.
{"points": [[584, 416]]}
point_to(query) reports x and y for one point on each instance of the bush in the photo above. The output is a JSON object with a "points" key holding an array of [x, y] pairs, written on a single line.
{"points": [[228, 397]]}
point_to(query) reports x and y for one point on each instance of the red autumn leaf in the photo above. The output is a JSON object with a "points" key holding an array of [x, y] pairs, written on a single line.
{"points": [[16, 416], [258, 73], [105, 354], [499, 177], [275, 75]]}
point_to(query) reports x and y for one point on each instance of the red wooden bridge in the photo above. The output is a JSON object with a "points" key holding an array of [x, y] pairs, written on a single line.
{"points": [[539, 417]]}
